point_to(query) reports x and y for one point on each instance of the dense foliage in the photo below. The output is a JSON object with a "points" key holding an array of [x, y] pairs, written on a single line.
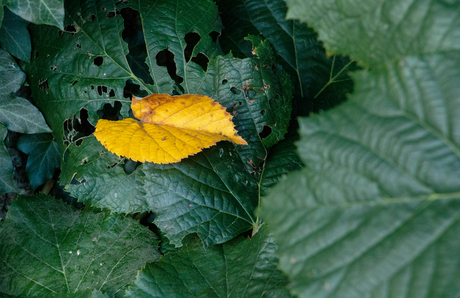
{"points": [[349, 185]]}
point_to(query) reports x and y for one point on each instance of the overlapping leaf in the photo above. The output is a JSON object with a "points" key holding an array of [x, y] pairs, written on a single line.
{"points": [[239, 268], [49, 247], [6, 175], [49, 12], [14, 36], [376, 209], [17, 113], [44, 157], [297, 48], [170, 128]]}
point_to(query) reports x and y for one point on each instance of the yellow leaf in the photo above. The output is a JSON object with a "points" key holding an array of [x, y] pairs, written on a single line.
{"points": [[170, 128]]}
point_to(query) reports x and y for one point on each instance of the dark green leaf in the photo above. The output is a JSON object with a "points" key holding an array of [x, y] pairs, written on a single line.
{"points": [[103, 182], [50, 12], [44, 157], [297, 47], [377, 207], [379, 31], [14, 36], [239, 268], [81, 294], [215, 192], [17, 113], [6, 174], [49, 247]]}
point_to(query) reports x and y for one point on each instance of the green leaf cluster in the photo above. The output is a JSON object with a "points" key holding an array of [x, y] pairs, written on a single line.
{"points": [[358, 197]]}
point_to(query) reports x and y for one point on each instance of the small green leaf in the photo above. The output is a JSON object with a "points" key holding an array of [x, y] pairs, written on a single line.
{"points": [[49, 12], [6, 174], [49, 247], [239, 268], [14, 37], [44, 157], [17, 113]]}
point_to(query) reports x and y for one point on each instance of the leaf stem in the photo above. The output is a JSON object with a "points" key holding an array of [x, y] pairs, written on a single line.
{"points": [[331, 79]]}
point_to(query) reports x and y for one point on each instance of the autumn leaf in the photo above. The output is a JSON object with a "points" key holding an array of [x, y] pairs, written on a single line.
{"points": [[169, 129]]}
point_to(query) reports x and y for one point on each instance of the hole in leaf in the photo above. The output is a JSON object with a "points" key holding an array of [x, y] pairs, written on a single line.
{"points": [[133, 35], [121, 1], [214, 35], [112, 165], [74, 82], [92, 87], [130, 166], [201, 60], [53, 67], [240, 103], [235, 91], [110, 112], [98, 60], [266, 131], [262, 112], [79, 45], [60, 32], [103, 8], [111, 14], [70, 29], [224, 81], [192, 40], [131, 89], [43, 85], [78, 143], [91, 17], [36, 54], [75, 129], [111, 93], [166, 58], [101, 89]]}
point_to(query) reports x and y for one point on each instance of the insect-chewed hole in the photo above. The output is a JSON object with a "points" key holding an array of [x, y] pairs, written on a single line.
{"points": [[235, 91], [251, 94], [98, 61], [166, 58], [112, 93], [262, 112], [266, 131], [92, 87], [37, 54], [43, 85], [101, 89], [201, 60], [110, 112], [121, 1], [192, 39], [111, 14], [91, 17], [224, 81], [214, 35], [103, 8], [70, 29], [131, 89], [130, 166], [74, 82]]}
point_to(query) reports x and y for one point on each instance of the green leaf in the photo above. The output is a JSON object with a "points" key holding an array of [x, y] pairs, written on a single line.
{"points": [[6, 174], [44, 157], [377, 207], [298, 51], [14, 36], [17, 113], [217, 199], [81, 294], [49, 247], [103, 183], [50, 12], [239, 268], [379, 31]]}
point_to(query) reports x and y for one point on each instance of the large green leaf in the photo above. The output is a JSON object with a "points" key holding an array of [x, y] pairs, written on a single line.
{"points": [[49, 247], [43, 159], [213, 193], [49, 12], [320, 82], [375, 31], [6, 174], [17, 113], [376, 210], [239, 268], [14, 36]]}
